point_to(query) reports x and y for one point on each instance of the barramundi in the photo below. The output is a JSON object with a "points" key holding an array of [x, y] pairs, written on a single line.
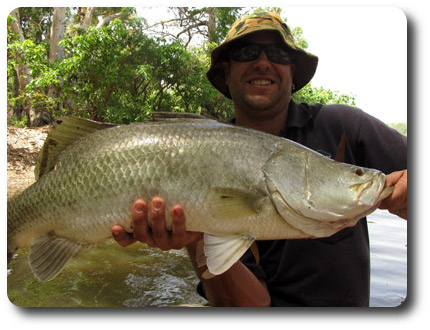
{"points": [[236, 185]]}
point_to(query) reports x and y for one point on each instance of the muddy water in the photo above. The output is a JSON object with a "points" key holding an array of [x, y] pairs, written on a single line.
{"points": [[139, 276], [109, 276]]}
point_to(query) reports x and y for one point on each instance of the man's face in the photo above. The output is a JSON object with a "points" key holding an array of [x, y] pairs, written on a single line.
{"points": [[260, 88]]}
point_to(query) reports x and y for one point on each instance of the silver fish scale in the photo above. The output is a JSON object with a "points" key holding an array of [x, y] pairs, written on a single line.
{"points": [[96, 181]]}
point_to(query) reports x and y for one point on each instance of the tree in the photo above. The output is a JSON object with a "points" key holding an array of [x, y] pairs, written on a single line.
{"points": [[400, 127], [35, 54], [106, 64], [312, 95], [32, 56], [57, 34], [56, 51], [210, 23], [21, 70], [111, 68]]}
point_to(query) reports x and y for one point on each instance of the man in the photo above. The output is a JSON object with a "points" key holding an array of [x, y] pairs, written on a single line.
{"points": [[259, 67]]}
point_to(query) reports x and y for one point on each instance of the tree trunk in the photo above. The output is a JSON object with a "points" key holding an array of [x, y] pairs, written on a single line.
{"points": [[57, 34], [86, 23], [104, 21], [22, 70], [212, 24], [56, 52]]}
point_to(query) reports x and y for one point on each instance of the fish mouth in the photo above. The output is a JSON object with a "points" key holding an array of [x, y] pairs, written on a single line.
{"points": [[371, 192]]}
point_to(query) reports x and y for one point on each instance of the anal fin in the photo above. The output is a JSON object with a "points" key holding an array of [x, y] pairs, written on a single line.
{"points": [[49, 255]]}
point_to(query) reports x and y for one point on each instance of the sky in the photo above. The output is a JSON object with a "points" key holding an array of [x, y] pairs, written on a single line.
{"points": [[362, 51]]}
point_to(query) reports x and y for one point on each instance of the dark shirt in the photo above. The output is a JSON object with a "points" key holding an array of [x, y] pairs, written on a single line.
{"points": [[333, 271]]}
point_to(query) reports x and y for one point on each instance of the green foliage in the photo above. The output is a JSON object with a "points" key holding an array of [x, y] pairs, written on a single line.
{"points": [[35, 57], [36, 22], [311, 95], [12, 121], [401, 127], [298, 37], [118, 73], [103, 69], [224, 17]]}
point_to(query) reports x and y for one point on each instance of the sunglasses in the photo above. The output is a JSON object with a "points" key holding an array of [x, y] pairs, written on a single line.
{"points": [[276, 53]]}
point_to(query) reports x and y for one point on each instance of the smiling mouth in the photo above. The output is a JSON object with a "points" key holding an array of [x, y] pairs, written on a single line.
{"points": [[261, 82]]}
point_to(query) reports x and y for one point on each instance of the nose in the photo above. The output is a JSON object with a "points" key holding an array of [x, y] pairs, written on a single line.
{"points": [[262, 62]]}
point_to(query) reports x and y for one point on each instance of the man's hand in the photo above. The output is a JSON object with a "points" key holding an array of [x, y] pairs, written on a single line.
{"points": [[397, 202], [236, 287], [152, 230]]}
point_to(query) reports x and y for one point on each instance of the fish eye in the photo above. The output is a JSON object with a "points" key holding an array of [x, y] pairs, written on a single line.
{"points": [[359, 172]]}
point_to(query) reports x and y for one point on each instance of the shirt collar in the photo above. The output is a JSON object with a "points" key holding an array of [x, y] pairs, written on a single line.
{"points": [[298, 115]]}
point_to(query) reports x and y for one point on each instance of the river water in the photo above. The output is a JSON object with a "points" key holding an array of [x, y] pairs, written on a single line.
{"points": [[139, 276]]}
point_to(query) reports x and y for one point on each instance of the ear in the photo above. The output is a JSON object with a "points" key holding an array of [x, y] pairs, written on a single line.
{"points": [[226, 68]]}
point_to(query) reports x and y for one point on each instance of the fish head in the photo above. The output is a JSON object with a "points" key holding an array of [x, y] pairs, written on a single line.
{"points": [[316, 187], [341, 191]]}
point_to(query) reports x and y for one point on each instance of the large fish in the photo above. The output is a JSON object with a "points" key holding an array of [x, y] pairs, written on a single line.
{"points": [[236, 185]]}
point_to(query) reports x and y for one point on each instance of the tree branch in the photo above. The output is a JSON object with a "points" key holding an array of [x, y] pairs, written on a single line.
{"points": [[105, 20]]}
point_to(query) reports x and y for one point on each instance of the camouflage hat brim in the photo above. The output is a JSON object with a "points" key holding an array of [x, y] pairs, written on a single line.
{"points": [[305, 63]]}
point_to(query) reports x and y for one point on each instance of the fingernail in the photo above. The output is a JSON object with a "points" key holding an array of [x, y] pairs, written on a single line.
{"points": [[157, 204], [177, 211], [138, 208]]}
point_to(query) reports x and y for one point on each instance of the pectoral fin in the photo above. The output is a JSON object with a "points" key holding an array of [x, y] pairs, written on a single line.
{"points": [[228, 203], [50, 253], [223, 251]]}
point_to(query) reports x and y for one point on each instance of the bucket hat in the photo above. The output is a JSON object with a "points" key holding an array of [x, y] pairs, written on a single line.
{"points": [[305, 62]]}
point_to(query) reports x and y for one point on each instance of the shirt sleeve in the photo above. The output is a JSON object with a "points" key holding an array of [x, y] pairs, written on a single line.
{"points": [[381, 147], [374, 144]]}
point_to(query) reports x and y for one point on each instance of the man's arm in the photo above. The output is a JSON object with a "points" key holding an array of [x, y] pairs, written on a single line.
{"points": [[238, 286]]}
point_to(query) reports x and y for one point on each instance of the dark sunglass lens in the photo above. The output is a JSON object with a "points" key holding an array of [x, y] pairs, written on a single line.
{"points": [[279, 54], [276, 53], [246, 53]]}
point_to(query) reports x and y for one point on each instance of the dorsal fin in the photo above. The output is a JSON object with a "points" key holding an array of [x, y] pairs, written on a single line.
{"points": [[65, 132], [162, 115]]}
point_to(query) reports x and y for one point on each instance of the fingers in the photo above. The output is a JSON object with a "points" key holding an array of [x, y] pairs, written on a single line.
{"points": [[181, 237], [152, 229], [121, 236], [139, 223], [179, 234], [397, 202], [160, 234]]}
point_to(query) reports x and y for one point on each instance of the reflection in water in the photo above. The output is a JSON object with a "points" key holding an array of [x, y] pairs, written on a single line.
{"points": [[388, 255], [140, 276]]}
